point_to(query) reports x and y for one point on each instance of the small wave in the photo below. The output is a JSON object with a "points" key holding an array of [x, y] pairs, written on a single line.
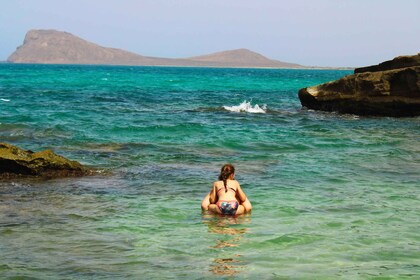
{"points": [[5, 100], [247, 107]]}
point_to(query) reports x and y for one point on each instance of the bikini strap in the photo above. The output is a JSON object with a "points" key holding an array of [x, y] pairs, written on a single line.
{"points": [[226, 189]]}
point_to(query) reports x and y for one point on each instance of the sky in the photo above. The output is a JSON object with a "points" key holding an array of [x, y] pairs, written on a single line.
{"points": [[335, 33]]}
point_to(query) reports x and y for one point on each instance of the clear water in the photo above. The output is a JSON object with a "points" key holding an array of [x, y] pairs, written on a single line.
{"points": [[334, 196]]}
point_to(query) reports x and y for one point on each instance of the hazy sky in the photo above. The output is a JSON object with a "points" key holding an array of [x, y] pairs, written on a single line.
{"points": [[308, 32]]}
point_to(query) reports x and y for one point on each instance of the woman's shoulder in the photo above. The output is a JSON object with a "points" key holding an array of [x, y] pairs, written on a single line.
{"points": [[234, 182], [230, 183], [218, 183]]}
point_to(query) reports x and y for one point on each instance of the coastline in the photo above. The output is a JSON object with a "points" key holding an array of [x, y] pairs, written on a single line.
{"points": [[188, 66]]}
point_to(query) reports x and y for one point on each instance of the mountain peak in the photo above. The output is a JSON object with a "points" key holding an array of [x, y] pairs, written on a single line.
{"points": [[58, 47], [237, 55]]}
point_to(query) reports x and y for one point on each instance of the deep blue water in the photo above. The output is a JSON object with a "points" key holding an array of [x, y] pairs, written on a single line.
{"points": [[334, 196]]}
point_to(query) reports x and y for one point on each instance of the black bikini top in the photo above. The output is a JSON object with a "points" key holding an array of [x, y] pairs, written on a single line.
{"points": [[227, 189]]}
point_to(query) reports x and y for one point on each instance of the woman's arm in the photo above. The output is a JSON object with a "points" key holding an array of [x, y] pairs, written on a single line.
{"points": [[205, 202], [240, 195], [243, 199], [213, 194]]}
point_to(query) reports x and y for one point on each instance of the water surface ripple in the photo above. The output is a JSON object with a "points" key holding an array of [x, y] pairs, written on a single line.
{"points": [[335, 196]]}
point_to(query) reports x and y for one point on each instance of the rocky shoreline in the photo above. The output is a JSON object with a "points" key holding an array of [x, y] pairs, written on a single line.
{"points": [[18, 163], [391, 88]]}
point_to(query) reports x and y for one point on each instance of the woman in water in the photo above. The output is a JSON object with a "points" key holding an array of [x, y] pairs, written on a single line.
{"points": [[226, 196]]}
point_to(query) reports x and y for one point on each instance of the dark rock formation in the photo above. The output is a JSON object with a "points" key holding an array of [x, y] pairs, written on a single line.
{"points": [[15, 162], [396, 63], [393, 92], [56, 47]]}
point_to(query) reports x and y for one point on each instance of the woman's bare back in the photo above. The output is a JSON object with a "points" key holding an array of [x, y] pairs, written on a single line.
{"points": [[228, 193]]}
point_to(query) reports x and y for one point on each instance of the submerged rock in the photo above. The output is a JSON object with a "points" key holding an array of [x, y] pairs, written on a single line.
{"points": [[16, 162], [394, 92]]}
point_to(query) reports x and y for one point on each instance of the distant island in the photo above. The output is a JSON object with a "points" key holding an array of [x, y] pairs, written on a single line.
{"points": [[57, 47]]}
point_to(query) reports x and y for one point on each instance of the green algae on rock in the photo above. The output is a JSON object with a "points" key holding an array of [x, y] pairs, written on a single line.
{"points": [[16, 162]]}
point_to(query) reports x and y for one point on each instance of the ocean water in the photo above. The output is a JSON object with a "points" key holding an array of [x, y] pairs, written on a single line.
{"points": [[334, 196]]}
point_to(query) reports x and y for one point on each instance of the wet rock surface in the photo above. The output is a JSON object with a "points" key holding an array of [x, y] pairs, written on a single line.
{"points": [[16, 162]]}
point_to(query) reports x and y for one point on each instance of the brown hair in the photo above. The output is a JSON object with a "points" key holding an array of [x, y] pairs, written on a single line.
{"points": [[225, 172]]}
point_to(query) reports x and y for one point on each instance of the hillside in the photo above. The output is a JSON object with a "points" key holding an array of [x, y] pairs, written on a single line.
{"points": [[56, 47], [242, 57]]}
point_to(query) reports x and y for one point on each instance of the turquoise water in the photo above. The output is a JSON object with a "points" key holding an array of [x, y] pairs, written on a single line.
{"points": [[334, 196]]}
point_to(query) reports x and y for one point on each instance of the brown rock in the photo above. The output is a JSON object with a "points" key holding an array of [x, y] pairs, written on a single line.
{"points": [[16, 162], [384, 93], [396, 63]]}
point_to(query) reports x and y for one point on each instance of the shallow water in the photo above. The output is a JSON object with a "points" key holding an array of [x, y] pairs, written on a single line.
{"points": [[334, 196]]}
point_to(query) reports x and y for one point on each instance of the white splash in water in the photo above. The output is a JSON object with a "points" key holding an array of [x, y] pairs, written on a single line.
{"points": [[247, 107], [5, 100]]}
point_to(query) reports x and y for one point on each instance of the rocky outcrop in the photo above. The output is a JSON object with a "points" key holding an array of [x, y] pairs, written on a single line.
{"points": [[396, 63], [393, 92], [56, 47], [16, 162]]}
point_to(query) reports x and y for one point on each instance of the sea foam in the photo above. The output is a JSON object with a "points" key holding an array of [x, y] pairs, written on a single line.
{"points": [[246, 106]]}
